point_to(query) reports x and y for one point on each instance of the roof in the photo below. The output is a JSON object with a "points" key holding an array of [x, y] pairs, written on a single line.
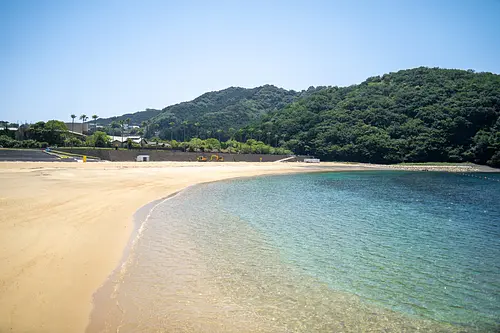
{"points": [[134, 138]]}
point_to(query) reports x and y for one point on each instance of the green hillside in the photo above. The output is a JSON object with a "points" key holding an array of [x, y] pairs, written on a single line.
{"points": [[233, 107], [135, 118], [416, 115]]}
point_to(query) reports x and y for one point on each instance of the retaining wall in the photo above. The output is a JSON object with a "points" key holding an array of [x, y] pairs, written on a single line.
{"points": [[172, 155]]}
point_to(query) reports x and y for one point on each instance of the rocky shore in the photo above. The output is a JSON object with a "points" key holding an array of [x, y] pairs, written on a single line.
{"points": [[441, 168]]}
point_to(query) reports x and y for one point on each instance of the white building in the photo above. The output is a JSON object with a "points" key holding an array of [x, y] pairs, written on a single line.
{"points": [[119, 140]]}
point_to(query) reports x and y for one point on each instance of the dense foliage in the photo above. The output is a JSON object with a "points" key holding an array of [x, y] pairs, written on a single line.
{"points": [[135, 118], [220, 113], [38, 135], [98, 139], [251, 146], [417, 115], [6, 141], [55, 133]]}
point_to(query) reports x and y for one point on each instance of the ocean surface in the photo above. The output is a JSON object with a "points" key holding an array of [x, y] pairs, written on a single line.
{"points": [[384, 251]]}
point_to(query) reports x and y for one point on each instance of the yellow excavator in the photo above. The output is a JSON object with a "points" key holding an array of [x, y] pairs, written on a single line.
{"points": [[215, 158]]}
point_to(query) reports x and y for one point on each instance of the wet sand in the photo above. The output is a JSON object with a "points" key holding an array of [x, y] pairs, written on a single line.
{"points": [[64, 226]]}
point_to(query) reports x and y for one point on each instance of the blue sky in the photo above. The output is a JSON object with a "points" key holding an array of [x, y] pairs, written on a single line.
{"points": [[115, 57]]}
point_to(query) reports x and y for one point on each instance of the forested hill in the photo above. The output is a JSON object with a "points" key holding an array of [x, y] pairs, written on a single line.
{"points": [[135, 118], [233, 107], [416, 115]]}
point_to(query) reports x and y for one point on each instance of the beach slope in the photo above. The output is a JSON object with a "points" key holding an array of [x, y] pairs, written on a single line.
{"points": [[64, 227]]}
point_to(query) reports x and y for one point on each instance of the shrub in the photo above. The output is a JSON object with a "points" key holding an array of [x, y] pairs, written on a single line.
{"points": [[30, 144], [6, 141]]}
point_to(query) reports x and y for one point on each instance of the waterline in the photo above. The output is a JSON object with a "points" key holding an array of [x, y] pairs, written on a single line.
{"points": [[217, 258]]}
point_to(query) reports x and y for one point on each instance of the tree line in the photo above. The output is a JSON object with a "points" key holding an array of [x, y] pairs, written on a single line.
{"points": [[417, 115]]}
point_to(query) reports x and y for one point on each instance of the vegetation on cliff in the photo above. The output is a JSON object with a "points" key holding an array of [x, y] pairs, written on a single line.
{"points": [[417, 115]]}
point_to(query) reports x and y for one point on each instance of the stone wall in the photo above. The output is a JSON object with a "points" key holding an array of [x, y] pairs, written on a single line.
{"points": [[169, 155]]}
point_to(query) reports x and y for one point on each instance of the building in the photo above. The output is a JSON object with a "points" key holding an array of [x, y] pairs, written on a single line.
{"points": [[117, 141], [78, 127]]}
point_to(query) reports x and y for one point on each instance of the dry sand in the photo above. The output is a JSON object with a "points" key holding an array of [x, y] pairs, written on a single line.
{"points": [[63, 227]]}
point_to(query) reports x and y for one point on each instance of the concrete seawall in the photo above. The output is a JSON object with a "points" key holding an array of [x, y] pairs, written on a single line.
{"points": [[169, 155]]}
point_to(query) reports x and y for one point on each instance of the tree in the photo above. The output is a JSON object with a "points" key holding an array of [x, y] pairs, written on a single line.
{"points": [[54, 132], [172, 124], [197, 126], [83, 118], [73, 116], [184, 127], [219, 132], [127, 121], [95, 121], [98, 139], [259, 133], [122, 125], [250, 130]]}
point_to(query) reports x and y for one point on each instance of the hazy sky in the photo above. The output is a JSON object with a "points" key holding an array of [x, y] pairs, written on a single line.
{"points": [[114, 57]]}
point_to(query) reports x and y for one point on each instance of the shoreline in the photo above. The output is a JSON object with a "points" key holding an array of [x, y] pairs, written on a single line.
{"points": [[65, 227], [100, 320]]}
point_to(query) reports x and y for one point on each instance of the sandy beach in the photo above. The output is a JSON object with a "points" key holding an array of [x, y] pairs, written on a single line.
{"points": [[64, 227]]}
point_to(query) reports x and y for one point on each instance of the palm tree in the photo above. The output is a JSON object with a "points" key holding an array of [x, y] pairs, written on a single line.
{"points": [[276, 136], [95, 122], [197, 125], [283, 136], [144, 126], [83, 118], [172, 124], [269, 138], [184, 126], [231, 133], [240, 134], [122, 125], [219, 131], [259, 133], [208, 133], [251, 130], [73, 116]]}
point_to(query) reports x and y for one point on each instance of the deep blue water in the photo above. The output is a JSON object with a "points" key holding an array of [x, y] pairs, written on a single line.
{"points": [[425, 244]]}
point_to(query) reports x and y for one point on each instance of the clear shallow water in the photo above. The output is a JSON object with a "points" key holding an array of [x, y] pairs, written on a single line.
{"points": [[380, 251]]}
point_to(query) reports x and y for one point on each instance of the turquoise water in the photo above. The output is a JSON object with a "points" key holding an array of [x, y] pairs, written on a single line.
{"points": [[426, 244], [344, 251]]}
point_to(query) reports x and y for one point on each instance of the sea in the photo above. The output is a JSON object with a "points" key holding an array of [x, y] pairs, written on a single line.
{"points": [[366, 251]]}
